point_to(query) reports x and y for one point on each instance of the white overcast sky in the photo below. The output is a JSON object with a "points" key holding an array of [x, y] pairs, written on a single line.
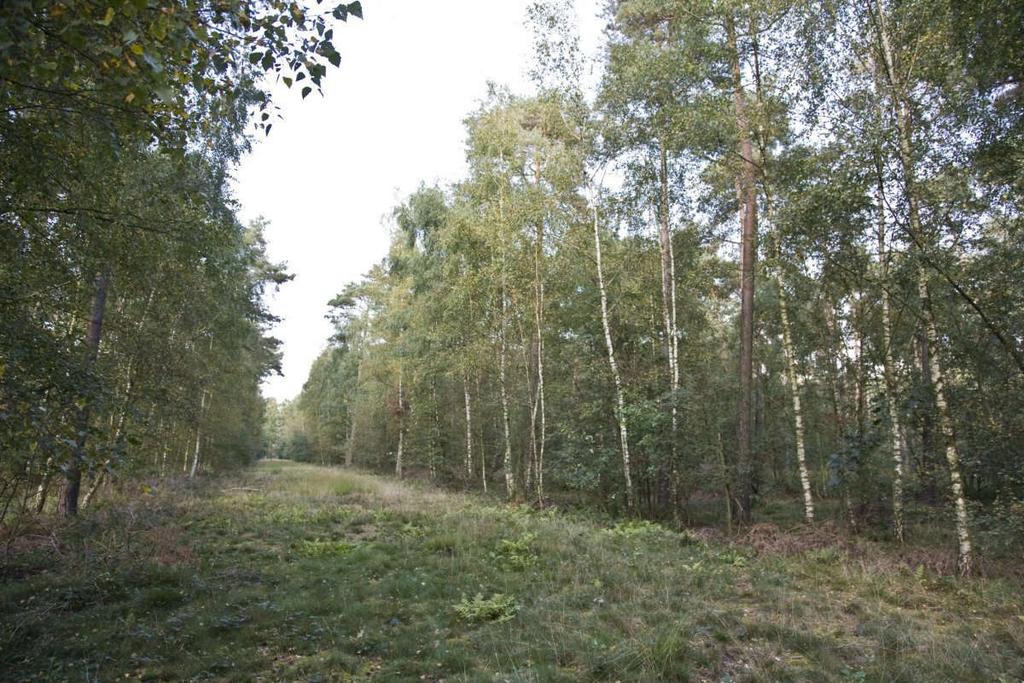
{"points": [[390, 117]]}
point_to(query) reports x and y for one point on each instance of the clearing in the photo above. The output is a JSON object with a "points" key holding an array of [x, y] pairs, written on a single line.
{"points": [[295, 572]]}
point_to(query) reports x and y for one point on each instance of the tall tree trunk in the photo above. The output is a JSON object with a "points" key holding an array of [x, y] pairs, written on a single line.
{"points": [[926, 460], [73, 471], [529, 462], [350, 447], [727, 486], [44, 485], [964, 554], [542, 439], [199, 435], [401, 426], [435, 435], [539, 322], [747, 194], [904, 131], [620, 400], [889, 368], [510, 476], [668, 307], [481, 439], [469, 429], [794, 388], [163, 458]]}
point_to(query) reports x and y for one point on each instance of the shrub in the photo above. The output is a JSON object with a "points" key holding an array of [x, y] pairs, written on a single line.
{"points": [[636, 528], [497, 608], [517, 553]]}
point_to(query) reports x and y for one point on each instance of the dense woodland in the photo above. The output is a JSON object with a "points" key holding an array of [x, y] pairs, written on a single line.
{"points": [[134, 335], [774, 261], [770, 263], [709, 368]]}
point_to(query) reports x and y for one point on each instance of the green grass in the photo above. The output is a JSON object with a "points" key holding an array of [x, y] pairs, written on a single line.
{"points": [[297, 572]]}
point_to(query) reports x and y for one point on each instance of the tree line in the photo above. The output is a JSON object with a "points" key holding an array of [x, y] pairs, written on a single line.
{"points": [[134, 335], [776, 255]]}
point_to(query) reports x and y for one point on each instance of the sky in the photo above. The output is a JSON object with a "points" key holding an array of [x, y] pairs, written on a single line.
{"points": [[329, 174]]}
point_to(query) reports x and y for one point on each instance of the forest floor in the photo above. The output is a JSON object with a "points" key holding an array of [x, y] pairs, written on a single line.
{"points": [[295, 572]]}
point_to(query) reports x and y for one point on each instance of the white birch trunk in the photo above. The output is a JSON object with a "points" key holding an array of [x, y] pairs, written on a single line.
{"points": [[794, 389], [539, 462], [964, 559], [668, 307], [469, 429], [964, 551], [889, 368], [510, 477], [199, 434], [620, 401], [401, 427]]}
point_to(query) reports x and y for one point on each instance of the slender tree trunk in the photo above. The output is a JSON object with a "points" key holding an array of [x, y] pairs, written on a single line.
{"points": [[44, 485], [73, 471], [539, 322], [483, 460], [889, 368], [861, 372], [401, 426], [620, 400], [926, 462], [748, 220], [533, 402], [469, 429], [435, 431], [726, 485], [539, 462], [668, 307], [199, 435], [510, 476], [481, 439], [794, 388], [964, 553], [903, 124], [350, 447]]}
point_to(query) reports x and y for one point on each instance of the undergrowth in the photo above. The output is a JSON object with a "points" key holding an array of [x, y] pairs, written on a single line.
{"points": [[297, 572]]}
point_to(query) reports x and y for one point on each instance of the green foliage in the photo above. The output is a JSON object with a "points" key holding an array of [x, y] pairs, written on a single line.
{"points": [[478, 609], [122, 121], [172, 70], [636, 528], [517, 553], [490, 287]]}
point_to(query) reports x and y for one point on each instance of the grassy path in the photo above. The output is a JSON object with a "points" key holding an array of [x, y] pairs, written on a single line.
{"points": [[296, 572]]}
